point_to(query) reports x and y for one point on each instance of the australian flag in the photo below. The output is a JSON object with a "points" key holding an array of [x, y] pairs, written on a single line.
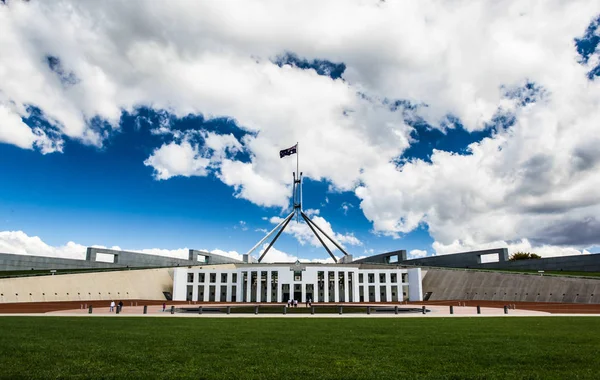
{"points": [[288, 151]]}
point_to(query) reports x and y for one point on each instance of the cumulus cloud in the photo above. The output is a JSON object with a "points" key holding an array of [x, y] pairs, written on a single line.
{"points": [[523, 245], [417, 253], [535, 179], [174, 159], [276, 256], [302, 232], [231, 254], [18, 242]]}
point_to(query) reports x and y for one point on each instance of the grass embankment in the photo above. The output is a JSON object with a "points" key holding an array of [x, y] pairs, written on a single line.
{"points": [[555, 273], [279, 348]]}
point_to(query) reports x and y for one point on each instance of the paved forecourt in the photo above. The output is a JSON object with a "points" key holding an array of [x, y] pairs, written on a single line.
{"points": [[432, 311]]}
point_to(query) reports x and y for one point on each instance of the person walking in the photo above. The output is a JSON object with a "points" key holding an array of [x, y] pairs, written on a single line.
{"points": [[120, 306], [112, 306], [164, 306]]}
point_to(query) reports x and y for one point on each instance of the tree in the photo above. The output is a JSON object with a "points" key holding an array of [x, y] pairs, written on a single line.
{"points": [[524, 256]]}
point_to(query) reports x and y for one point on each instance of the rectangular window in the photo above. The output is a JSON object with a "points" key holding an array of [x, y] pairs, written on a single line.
{"points": [[371, 278], [234, 278], [298, 275], [360, 278], [404, 277], [213, 277], [223, 277], [393, 278], [201, 277], [382, 278], [190, 277]]}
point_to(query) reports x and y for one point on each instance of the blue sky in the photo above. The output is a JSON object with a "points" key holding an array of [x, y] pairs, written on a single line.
{"points": [[107, 196], [434, 128]]}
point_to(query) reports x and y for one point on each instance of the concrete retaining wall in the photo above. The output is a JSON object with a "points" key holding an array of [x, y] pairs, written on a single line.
{"points": [[474, 285], [119, 285]]}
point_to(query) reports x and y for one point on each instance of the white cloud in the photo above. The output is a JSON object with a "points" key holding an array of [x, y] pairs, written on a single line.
{"points": [[537, 180], [231, 254], [276, 256], [174, 159], [417, 253], [520, 246], [302, 232], [14, 131], [18, 242]]}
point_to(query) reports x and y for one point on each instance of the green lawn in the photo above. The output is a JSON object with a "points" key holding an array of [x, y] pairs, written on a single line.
{"points": [[292, 348]]}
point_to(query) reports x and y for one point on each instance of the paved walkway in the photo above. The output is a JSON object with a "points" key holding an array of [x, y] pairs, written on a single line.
{"points": [[433, 312]]}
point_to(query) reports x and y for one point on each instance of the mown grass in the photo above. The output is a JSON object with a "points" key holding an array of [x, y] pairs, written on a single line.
{"points": [[292, 348]]}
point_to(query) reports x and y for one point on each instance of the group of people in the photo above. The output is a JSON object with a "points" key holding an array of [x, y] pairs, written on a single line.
{"points": [[294, 303], [112, 306]]}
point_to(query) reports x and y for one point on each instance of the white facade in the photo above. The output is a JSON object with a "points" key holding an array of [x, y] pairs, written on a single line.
{"points": [[281, 282]]}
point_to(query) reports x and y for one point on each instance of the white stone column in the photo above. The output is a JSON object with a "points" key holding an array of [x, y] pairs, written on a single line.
{"points": [[355, 289], [229, 285], [336, 287], [218, 287], [258, 286], [195, 287], [388, 287], [346, 287], [206, 287], [279, 288], [315, 293], [377, 285], [249, 286], [269, 286], [326, 286], [303, 287], [239, 293]]}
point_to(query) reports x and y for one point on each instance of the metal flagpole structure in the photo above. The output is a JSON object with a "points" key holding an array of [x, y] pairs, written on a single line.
{"points": [[297, 211]]}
